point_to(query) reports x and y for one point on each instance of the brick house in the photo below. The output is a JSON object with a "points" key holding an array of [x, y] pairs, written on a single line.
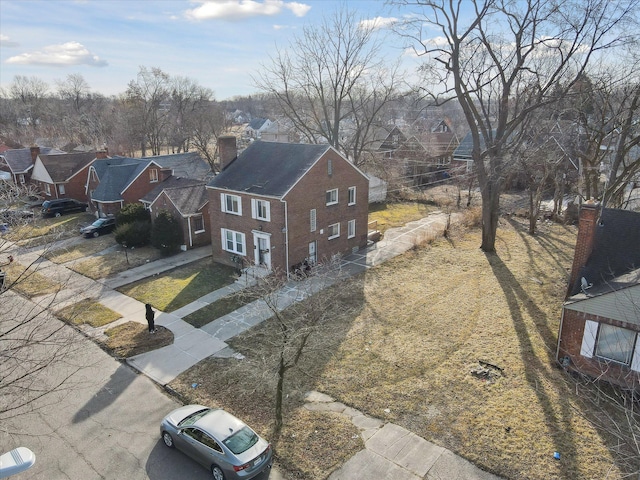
{"points": [[64, 175], [600, 326], [116, 181], [279, 204], [188, 202], [19, 162]]}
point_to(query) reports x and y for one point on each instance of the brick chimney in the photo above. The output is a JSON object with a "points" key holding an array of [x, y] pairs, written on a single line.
{"points": [[103, 152], [227, 149], [35, 151], [584, 244]]}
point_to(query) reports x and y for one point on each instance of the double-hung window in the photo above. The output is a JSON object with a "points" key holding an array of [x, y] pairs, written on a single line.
{"points": [[351, 229], [332, 196], [352, 196], [260, 209], [334, 231], [153, 175], [233, 242], [198, 224], [610, 342], [231, 203]]}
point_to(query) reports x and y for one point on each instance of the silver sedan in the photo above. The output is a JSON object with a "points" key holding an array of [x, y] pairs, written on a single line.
{"points": [[219, 441]]}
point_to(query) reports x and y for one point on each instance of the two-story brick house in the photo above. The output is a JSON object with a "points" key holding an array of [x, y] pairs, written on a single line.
{"points": [[279, 204]]}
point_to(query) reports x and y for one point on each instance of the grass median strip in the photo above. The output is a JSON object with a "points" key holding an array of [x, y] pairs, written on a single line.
{"points": [[28, 281], [221, 307], [133, 338], [88, 312]]}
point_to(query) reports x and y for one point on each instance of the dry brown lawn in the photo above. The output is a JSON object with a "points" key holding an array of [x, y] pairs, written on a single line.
{"points": [[423, 323], [133, 338], [116, 261]]}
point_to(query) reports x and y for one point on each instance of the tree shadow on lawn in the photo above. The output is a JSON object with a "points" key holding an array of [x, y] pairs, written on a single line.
{"points": [[518, 300]]}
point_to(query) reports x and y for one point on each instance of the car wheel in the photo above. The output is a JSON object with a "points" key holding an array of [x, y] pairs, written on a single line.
{"points": [[168, 440], [96, 234], [57, 214], [217, 472]]}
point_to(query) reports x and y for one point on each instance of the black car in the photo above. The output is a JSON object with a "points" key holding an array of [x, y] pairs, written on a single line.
{"points": [[99, 227], [60, 206]]}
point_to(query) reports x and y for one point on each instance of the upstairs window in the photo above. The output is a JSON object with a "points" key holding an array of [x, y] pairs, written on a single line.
{"points": [[332, 196], [260, 209], [231, 203], [352, 196], [153, 175]]}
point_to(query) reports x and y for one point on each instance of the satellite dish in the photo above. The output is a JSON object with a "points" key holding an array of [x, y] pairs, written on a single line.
{"points": [[585, 285]]}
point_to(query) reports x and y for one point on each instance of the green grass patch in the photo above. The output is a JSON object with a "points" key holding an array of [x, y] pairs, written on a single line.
{"points": [[390, 215], [178, 287], [88, 312], [220, 308]]}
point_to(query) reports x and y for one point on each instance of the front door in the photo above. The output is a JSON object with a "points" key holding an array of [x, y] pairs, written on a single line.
{"points": [[313, 253], [262, 243]]}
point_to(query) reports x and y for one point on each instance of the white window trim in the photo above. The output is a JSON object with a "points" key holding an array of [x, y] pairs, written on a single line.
{"points": [[223, 232], [255, 210], [223, 203], [61, 189], [332, 202], [153, 175], [352, 189], [203, 227], [589, 338], [351, 228], [47, 189], [338, 231], [313, 225]]}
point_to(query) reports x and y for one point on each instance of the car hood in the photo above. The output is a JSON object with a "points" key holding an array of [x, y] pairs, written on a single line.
{"points": [[181, 413]]}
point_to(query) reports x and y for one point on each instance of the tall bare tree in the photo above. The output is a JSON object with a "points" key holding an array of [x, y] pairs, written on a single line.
{"points": [[208, 123], [31, 93], [503, 60], [332, 83]]}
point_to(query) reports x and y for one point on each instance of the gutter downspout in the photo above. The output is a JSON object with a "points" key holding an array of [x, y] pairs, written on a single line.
{"points": [[286, 236], [559, 335], [189, 227]]}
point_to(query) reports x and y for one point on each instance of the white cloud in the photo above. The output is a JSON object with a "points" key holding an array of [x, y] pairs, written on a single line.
{"points": [[378, 23], [240, 9], [5, 41], [70, 53]]}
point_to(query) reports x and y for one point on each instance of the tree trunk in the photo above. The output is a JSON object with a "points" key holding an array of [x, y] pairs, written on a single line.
{"points": [[490, 214], [277, 428]]}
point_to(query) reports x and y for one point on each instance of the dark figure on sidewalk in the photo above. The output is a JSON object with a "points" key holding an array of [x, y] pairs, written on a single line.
{"points": [[151, 315]]}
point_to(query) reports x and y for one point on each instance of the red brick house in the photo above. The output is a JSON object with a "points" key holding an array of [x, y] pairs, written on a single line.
{"points": [[116, 181], [19, 162], [600, 327], [279, 204], [64, 175], [188, 202]]}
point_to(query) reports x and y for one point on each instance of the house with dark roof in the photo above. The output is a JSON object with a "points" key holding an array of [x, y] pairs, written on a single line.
{"points": [[19, 162], [185, 165], [64, 175], [600, 326], [280, 204], [256, 126], [116, 181], [188, 202]]}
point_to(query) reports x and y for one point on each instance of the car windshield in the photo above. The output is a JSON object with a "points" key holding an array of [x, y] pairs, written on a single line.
{"points": [[193, 418], [241, 441], [98, 222]]}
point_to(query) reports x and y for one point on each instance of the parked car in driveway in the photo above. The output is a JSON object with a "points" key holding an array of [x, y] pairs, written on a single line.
{"points": [[99, 227], [220, 442], [60, 206]]}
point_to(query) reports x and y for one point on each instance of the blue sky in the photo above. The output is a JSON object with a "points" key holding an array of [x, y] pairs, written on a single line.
{"points": [[217, 43]]}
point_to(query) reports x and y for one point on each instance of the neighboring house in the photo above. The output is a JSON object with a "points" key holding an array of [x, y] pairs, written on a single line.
{"points": [[279, 204], [188, 202], [280, 131], [462, 160], [256, 126], [389, 141], [63, 175], [600, 327], [185, 165], [19, 162], [116, 181]]}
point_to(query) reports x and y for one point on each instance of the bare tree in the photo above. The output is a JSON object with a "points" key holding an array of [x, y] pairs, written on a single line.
{"points": [[74, 91], [188, 100], [332, 83], [208, 123], [31, 92], [503, 60]]}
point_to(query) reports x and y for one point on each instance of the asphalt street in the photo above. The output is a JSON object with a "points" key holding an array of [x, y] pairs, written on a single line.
{"points": [[106, 427]]}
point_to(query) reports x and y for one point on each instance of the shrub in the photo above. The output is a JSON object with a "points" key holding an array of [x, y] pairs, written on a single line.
{"points": [[133, 212], [134, 234], [166, 233]]}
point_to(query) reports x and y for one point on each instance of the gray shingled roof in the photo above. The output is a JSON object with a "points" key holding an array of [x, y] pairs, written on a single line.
{"points": [[190, 199], [186, 165], [115, 174], [616, 248], [268, 168], [20, 161], [63, 166], [171, 182]]}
